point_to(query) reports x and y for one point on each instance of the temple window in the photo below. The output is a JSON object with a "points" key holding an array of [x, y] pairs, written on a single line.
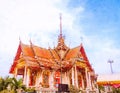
{"points": [[45, 79]]}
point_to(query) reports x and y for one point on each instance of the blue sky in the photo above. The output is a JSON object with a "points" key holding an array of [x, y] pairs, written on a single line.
{"points": [[96, 21]]}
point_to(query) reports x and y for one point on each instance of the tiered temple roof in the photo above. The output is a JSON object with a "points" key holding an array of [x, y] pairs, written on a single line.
{"points": [[59, 57]]}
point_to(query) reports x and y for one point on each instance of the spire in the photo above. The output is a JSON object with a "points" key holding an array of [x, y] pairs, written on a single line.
{"points": [[60, 25], [61, 45], [19, 39]]}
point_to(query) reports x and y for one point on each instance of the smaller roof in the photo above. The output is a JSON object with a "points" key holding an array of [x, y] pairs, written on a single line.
{"points": [[105, 79]]}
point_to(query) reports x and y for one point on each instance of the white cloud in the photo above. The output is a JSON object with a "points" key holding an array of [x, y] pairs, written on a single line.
{"points": [[100, 51], [39, 20]]}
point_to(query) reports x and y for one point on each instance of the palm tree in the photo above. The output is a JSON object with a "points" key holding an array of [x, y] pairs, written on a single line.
{"points": [[4, 82], [17, 84], [11, 84]]}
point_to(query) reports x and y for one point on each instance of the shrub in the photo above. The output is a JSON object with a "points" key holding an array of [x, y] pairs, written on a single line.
{"points": [[73, 89]]}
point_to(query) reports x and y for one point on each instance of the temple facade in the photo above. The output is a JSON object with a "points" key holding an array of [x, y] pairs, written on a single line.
{"points": [[46, 68]]}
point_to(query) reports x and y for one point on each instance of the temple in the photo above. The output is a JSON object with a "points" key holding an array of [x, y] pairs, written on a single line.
{"points": [[47, 68]]}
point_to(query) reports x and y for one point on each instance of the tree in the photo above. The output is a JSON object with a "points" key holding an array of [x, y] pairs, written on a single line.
{"points": [[17, 84], [11, 84], [4, 83]]}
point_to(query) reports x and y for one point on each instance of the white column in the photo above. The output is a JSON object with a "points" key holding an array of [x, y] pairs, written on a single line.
{"points": [[28, 77], [51, 80], [73, 83], [24, 78], [89, 80], [66, 80], [37, 79], [63, 77], [15, 73], [76, 77], [86, 74], [40, 79]]}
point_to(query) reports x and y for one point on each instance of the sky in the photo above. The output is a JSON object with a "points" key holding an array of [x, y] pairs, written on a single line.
{"points": [[94, 23]]}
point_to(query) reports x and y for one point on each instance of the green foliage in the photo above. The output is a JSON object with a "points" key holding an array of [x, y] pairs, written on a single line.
{"points": [[4, 82], [10, 85], [7, 91], [17, 84], [30, 90], [73, 89], [101, 88], [116, 90]]}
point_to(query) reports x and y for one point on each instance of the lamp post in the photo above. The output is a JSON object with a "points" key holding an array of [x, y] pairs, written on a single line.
{"points": [[111, 61]]}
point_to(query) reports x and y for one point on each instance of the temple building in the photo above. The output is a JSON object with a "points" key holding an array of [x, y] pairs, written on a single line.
{"points": [[47, 68]]}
